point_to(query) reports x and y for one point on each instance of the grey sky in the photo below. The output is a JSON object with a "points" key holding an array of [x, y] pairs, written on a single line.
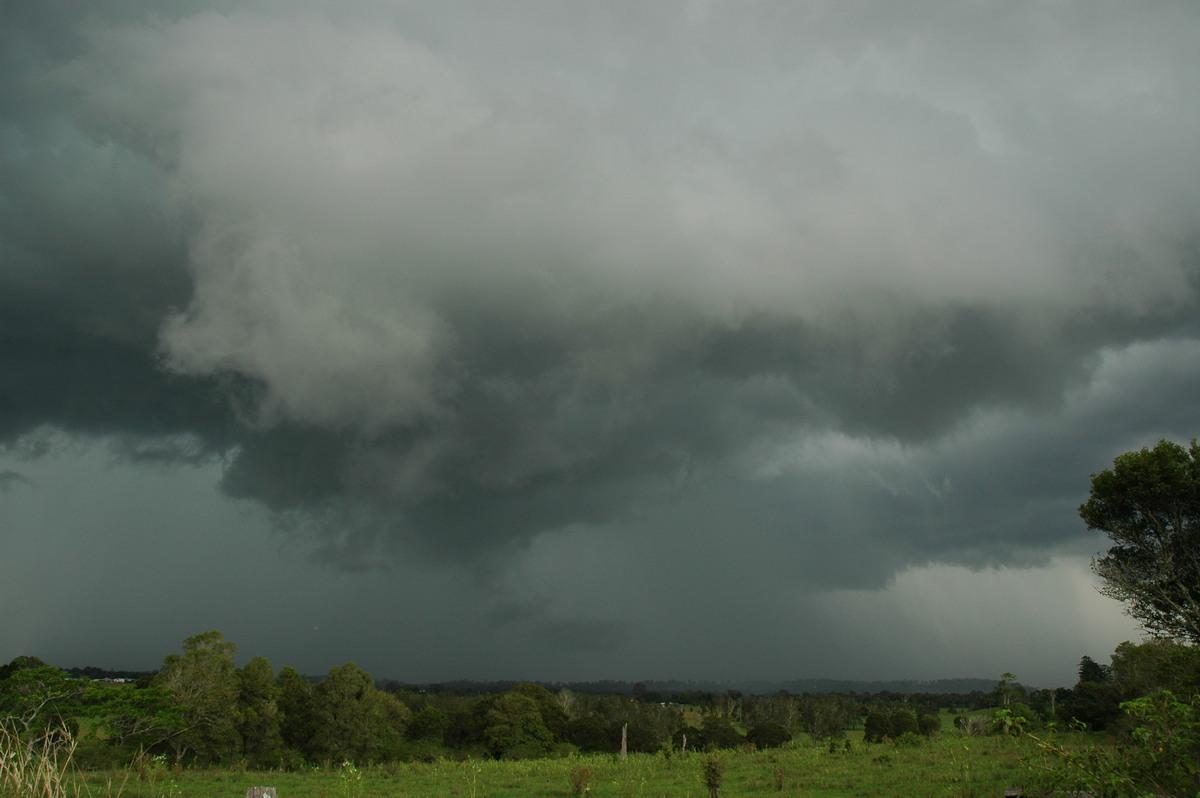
{"points": [[625, 340]]}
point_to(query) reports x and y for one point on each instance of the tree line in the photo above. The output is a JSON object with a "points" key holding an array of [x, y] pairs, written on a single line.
{"points": [[201, 708]]}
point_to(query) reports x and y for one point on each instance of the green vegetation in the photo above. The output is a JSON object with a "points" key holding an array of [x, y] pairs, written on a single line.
{"points": [[946, 766], [1148, 503]]}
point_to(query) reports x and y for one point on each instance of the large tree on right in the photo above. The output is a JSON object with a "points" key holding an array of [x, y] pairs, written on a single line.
{"points": [[1149, 505]]}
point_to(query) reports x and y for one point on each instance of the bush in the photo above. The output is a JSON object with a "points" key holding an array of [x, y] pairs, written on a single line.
{"points": [[877, 727], [1160, 759], [768, 735], [903, 722], [720, 733], [714, 773], [929, 724]]}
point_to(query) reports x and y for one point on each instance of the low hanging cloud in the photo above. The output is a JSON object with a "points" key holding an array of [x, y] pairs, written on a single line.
{"points": [[693, 266]]}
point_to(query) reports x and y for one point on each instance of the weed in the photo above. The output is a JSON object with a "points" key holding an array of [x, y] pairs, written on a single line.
{"points": [[581, 780]]}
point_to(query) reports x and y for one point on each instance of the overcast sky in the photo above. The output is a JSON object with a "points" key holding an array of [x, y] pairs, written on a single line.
{"points": [[550, 340]]}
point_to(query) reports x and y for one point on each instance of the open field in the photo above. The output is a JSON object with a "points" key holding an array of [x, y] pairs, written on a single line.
{"points": [[946, 766]]}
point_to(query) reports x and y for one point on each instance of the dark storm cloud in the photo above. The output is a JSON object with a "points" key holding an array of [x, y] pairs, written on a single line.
{"points": [[432, 288]]}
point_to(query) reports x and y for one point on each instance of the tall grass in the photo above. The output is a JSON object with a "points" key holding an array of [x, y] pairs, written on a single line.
{"points": [[34, 764]]}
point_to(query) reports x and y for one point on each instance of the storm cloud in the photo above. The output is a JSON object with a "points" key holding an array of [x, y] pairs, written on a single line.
{"points": [[785, 301]]}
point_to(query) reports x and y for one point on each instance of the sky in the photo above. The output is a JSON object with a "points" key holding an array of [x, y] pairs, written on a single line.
{"points": [[564, 341]]}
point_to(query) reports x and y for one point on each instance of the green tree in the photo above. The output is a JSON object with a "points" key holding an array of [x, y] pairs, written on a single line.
{"points": [[549, 707], [39, 696], [929, 724], [768, 734], [827, 716], [21, 663], [719, 732], [1148, 503], [1092, 671], [135, 717], [1007, 690], [589, 734], [354, 721], [1160, 762], [258, 714], [877, 727], [901, 721], [203, 682], [515, 727], [294, 697], [1139, 669], [428, 724]]}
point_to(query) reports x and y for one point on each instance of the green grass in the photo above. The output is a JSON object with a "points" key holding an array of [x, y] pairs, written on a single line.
{"points": [[946, 766]]}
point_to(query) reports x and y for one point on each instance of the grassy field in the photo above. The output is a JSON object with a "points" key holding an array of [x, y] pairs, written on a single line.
{"points": [[948, 765]]}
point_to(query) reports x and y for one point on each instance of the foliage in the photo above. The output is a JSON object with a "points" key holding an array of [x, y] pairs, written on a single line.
{"points": [[1094, 704], [718, 732], [929, 724], [515, 727], [258, 714], [942, 767], [204, 683], [134, 717], [1164, 759], [1139, 669], [883, 725], [430, 723], [768, 735], [877, 727], [39, 696], [353, 721], [294, 697], [581, 779], [714, 774], [1092, 671], [1149, 505]]}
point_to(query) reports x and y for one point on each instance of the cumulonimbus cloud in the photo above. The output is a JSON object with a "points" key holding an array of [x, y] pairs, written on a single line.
{"points": [[466, 300]]}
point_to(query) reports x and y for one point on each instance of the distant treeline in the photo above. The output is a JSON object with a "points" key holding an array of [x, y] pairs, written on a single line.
{"points": [[651, 688], [672, 688]]}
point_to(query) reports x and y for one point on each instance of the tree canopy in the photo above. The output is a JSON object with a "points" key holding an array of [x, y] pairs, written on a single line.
{"points": [[1149, 505]]}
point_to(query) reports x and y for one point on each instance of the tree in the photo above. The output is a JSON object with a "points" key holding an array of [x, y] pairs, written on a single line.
{"points": [[1148, 503], [258, 714], [515, 727], [877, 727], [1092, 671], [768, 734], [719, 732], [39, 697], [134, 717], [204, 683], [353, 720], [297, 726], [1140, 669], [901, 721]]}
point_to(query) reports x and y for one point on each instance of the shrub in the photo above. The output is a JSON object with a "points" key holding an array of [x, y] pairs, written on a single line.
{"points": [[714, 773], [769, 734]]}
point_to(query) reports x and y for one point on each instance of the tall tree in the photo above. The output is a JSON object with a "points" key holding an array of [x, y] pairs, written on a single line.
{"points": [[353, 720], [203, 682], [258, 714], [295, 700], [1149, 505]]}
